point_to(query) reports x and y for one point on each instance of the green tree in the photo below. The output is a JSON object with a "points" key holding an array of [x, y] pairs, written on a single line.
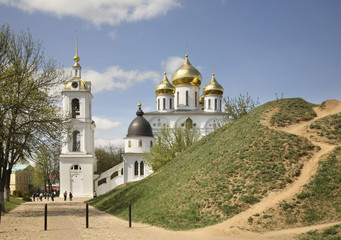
{"points": [[235, 108], [170, 142], [46, 167], [29, 112], [108, 157]]}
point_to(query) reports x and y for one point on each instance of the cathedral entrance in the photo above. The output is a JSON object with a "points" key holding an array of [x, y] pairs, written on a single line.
{"points": [[76, 183]]}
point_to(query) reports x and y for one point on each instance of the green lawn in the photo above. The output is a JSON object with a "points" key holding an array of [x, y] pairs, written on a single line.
{"points": [[12, 203]]}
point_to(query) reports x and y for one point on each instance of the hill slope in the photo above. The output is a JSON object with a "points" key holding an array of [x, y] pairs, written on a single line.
{"points": [[221, 175]]}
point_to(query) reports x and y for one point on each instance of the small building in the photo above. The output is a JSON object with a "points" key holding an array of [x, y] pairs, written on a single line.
{"points": [[21, 178], [137, 143]]}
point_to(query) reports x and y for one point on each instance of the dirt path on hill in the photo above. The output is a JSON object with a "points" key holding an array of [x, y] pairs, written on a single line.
{"points": [[308, 170], [66, 220]]}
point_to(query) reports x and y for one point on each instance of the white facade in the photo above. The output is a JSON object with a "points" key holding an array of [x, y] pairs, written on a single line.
{"points": [[77, 159], [185, 90]]}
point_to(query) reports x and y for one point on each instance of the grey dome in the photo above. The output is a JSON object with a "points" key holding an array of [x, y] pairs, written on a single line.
{"points": [[140, 126]]}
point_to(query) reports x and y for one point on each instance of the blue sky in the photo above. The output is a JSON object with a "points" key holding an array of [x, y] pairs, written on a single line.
{"points": [[263, 47]]}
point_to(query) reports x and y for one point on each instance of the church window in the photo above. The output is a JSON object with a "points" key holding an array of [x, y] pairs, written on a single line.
{"points": [[215, 104], [220, 105], [102, 181], [115, 174], [142, 168], [121, 171], [189, 123], [186, 98], [75, 107], [158, 104], [140, 143], [164, 103], [151, 144], [170, 104], [177, 98], [129, 143], [136, 168], [76, 167], [196, 99], [209, 103], [76, 141]]}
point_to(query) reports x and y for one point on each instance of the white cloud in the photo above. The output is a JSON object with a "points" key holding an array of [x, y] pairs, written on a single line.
{"points": [[100, 142], [116, 78], [112, 12], [172, 63], [105, 124]]}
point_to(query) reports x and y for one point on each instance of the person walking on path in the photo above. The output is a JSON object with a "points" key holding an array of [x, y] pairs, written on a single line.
{"points": [[52, 196], [48, 196], [65, 195], [70, 195], [41, 196], [34, 197]]}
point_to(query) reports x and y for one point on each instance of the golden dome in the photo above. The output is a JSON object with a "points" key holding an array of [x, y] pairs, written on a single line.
{"points": [[213, 87], [201, 100], [81, 83], [165, 87], [186, 75]]}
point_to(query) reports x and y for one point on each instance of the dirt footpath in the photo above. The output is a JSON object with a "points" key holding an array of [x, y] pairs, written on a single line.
{"points": [[66, 220]]}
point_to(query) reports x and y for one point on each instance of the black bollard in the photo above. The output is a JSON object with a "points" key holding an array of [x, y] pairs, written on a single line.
{"points": [[87, 215], [45, 222], [130, 215]]}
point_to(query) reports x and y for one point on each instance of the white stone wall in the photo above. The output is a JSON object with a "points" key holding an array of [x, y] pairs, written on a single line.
{"points": [[111, 183]]}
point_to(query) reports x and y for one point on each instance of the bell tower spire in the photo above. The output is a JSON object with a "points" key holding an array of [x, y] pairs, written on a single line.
{"points": [[77, 67]]}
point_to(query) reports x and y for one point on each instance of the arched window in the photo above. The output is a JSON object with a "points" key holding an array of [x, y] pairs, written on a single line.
{"points": [[170, 104], [136, 168], [158, 104], [76, 167], [215, 104], [189, 123], [209, 103], [177, 99], [75, 107], [163, 103], [140, 143], [76, 141], [129, 143], [141, 168]]}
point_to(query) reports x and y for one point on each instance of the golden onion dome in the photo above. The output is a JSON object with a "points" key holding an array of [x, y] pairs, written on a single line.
{"points": [[201, 100], [164, 87], [186, 75], [213, 87], [80, 84]]}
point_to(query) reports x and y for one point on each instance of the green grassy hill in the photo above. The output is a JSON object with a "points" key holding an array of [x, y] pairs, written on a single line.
{"points": [[221, 175]]}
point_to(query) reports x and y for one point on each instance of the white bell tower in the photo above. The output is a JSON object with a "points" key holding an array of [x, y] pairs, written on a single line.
{"points": [[77, 159]]}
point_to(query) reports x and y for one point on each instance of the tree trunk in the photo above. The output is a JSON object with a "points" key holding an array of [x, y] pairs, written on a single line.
{"points": [[7, 184]]}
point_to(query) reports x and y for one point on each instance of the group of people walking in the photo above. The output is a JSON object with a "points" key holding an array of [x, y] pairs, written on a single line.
{"points": [[46, 195]]}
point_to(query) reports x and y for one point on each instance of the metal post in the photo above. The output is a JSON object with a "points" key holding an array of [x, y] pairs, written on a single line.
{"points": [[130, 215], [87, 215], [45, 222]]}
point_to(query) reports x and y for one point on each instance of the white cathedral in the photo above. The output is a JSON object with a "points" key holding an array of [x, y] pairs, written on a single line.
{"points": [[178, 103]]}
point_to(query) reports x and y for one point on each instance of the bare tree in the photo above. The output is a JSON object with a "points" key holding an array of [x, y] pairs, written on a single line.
{"points": [[29, 113]]}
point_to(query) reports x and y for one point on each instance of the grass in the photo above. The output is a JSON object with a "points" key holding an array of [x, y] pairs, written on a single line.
{"points": [[331, 233], [216, 178], [327, 128], [292, 111], [319, 202], [12, 203]]}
